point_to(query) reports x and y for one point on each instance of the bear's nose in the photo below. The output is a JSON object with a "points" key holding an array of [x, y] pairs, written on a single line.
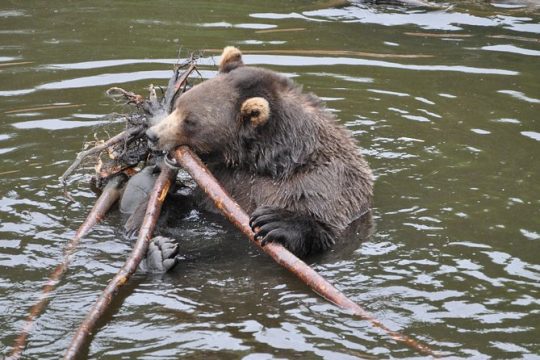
{"points": [[152, 136]]}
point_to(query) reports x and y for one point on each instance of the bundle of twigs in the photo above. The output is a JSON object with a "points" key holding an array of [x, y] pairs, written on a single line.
{"points": [[129, 148]]}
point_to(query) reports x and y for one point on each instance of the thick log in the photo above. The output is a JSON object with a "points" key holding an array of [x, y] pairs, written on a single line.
{"points": [[232, 211], [111, 193], [153, 210]]}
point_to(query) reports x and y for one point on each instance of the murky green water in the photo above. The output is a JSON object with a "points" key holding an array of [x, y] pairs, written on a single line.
{"points": [[453, 137]]}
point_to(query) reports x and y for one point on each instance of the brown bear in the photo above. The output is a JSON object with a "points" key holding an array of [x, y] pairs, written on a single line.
{"points": [[280, 154]]}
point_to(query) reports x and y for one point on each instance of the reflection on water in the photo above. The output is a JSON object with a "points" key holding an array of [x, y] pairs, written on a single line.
{"points": [[444, 100]]}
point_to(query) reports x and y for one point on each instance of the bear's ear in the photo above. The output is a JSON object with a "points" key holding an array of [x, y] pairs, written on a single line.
{"points": [[256, 110], [231, 58]]}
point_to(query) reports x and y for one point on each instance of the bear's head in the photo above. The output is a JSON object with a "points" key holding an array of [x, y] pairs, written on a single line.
{"points": [[214, 113], [251, 116]]}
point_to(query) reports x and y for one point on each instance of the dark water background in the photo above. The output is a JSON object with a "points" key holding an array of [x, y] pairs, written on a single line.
{"points": [[453, 137]]}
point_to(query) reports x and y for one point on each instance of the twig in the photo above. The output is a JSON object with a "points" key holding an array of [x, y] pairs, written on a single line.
{"points": [[117, 94], [153, 210], [8, 172], [232, 211], [183, 78], [111, 193]]}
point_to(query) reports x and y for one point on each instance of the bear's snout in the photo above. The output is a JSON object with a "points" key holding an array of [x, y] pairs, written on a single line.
{"points": [[153, 138]]}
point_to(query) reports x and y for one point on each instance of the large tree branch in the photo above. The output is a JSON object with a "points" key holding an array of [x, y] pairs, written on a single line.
{"points": [[232, 211], [111, 193], [153, 210]]}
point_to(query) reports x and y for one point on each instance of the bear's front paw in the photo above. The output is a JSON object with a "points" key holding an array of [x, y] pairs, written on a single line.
{"points": [[162, 255], [300, 234]]}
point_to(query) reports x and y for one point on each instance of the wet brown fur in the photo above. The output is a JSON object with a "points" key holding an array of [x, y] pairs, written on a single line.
{"points": [[298, 159]]}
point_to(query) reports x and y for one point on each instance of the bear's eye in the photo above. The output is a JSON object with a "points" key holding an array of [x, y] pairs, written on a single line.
{"points": [[189, 122]]}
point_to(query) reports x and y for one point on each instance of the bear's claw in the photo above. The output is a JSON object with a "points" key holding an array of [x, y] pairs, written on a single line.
{"points": [[162, 255], [300, 234]]}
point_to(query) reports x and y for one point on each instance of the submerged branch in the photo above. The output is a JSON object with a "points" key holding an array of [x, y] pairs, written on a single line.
{"points": [[16, 63], [111, 193], [153, 210]]}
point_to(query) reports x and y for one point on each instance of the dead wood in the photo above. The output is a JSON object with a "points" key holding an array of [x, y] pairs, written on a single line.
{"points": [[128, 148], [119, 94], [153, 210], [111, 193], [154, 108], [232, 211], [123, 136]]}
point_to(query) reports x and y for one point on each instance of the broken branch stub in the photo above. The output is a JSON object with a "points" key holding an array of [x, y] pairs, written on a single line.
{"points": [[123, 136]]}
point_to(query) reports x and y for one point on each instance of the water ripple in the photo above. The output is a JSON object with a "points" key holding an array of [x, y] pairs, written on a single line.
{"points": [[512, 49], [519, 95], [287, 60], [57, 124], [453, 257]]}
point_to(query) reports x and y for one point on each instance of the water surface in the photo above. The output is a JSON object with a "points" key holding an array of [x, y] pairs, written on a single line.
{"points": [[444, 102]]}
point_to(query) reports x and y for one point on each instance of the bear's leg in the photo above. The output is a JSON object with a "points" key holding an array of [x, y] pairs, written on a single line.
{"points": [[300, 234], [162, 255]]}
